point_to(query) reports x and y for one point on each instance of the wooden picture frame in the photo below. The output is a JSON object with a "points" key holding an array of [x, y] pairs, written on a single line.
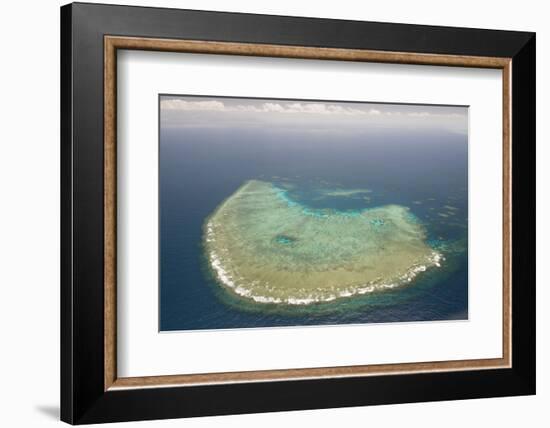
{"points": [[91, 390]]}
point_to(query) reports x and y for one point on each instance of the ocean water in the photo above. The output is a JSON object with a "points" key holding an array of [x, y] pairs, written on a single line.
{"points": [[423, 170]]}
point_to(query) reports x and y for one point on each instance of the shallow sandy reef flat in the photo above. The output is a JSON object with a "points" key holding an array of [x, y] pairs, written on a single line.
{"points": [[265, 246]]}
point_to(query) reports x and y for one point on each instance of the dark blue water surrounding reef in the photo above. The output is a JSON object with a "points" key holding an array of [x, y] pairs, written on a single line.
{"points": [[425, 171]]}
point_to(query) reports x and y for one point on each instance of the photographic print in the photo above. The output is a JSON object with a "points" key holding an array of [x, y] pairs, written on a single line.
{"points": [[290, 212]]}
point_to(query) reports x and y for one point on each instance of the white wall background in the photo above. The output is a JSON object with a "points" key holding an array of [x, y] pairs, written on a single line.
{"points": [[29, 214]]}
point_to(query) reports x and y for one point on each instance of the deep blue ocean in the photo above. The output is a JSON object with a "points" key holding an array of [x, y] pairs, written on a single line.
{"points": [[425, 171]]}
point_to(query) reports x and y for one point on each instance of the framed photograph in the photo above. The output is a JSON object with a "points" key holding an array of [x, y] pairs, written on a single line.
{"points": [[265, 213]]}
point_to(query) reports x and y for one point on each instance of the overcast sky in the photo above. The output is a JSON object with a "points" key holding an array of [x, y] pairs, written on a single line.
{"points": [[303, 116]]}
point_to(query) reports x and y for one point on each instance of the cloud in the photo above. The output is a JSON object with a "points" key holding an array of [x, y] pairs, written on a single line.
{"points": [[268, 107], [268, 115], [177, 104], [302, 108]]}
